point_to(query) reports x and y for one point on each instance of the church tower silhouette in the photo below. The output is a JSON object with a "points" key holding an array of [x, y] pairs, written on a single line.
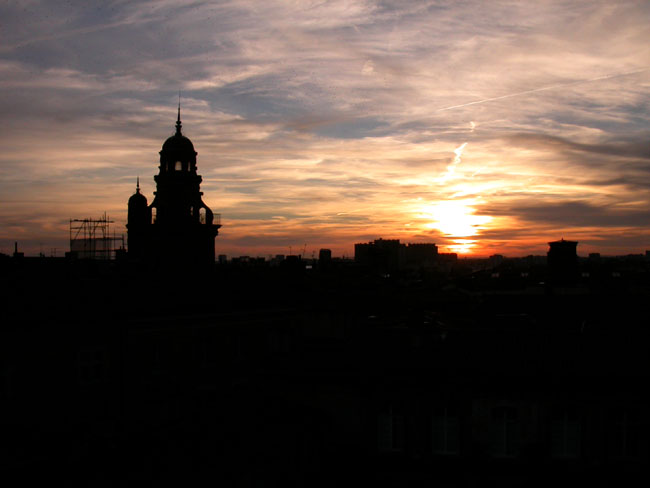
{"points": [[178, 229]]}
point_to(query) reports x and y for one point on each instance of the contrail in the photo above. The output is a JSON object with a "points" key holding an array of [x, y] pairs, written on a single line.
{"points": [[451, 169], [544, 88]]}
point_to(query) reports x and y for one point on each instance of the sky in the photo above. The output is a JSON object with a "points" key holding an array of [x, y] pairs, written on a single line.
{"points": [[483, 127]]}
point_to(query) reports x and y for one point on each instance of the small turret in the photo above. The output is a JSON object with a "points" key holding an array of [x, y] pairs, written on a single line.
{"points": [[138, 223]]}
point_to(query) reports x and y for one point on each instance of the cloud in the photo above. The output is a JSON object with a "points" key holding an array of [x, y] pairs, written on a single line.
{"points": [[336, 116], [637, 149], [579, 214]]}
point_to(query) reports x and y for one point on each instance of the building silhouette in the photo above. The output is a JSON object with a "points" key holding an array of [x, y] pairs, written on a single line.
{"points": [[177, 230], [391, 255], [324, 258], [562, 260]]}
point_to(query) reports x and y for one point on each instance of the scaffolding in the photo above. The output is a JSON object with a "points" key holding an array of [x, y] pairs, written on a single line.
{"points": [[92, 239]]}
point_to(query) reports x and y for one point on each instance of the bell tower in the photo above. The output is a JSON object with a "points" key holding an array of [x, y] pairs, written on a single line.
{"points": [[182, 228]]}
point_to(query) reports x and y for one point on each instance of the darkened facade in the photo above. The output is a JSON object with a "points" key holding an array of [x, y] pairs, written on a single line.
{"points": [[178, 228], [291, 376], [321, 378], [562, 260]]}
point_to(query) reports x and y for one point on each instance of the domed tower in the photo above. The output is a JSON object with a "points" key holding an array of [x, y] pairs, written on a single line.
{"points": [[138, 224], [182, 227]]}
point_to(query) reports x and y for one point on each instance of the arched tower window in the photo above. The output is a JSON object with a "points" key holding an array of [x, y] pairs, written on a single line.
{"points": [[178, 166], [153, 214], [202, 215]]}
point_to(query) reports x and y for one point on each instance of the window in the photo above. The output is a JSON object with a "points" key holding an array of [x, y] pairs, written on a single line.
{"points": [[178, 166], [6, 381], [91, 365], [390, 430], [505, 427], [206, 352], [565, 433], [153, 214], [202, 215], [445, 431], [624, 432], [279, 341], [158, 355]]}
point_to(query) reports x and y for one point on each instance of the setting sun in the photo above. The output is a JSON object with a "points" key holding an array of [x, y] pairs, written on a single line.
{"points": [[318, 134], [457, 219]]}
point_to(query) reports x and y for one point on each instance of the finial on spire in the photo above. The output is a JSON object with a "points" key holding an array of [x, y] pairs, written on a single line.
{"points": [[178, 120], [137, 185]]}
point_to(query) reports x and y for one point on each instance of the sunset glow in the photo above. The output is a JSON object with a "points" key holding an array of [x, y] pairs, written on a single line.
{"points": [[455, 219], [483, 128]]}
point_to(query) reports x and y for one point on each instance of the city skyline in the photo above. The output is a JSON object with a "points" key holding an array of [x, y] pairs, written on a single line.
{"points": [[481, 129]]}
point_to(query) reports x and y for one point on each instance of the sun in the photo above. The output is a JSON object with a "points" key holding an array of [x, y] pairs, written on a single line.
{"points": [[456, 219]]}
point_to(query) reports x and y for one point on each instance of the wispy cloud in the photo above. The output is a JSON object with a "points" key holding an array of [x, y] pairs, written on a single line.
{"points": [[333, 122]]}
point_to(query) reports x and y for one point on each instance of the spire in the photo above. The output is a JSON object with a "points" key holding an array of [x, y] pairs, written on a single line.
{"points": [[178, 120], [137, 185]]}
